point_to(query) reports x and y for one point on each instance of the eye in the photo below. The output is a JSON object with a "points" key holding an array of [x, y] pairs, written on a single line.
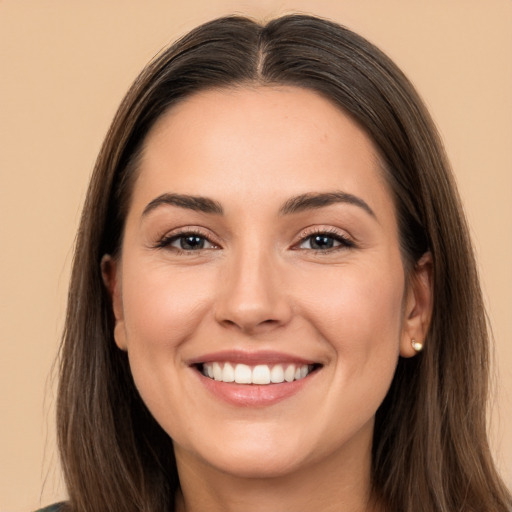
{"points": [[325, 242], [186, 241], [190, 242]]}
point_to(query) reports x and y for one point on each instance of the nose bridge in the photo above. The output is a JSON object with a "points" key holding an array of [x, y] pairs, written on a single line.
{"points": [[252, 295]]}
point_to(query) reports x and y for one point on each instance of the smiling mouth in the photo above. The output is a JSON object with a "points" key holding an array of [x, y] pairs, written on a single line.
{"points": [[260, 374]]}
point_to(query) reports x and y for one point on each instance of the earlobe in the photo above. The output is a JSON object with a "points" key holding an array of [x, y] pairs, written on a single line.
{"points": [[110, 274], [418, 307]]}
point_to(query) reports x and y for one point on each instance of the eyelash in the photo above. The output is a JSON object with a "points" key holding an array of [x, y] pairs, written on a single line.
{"points": [[344, 242]]}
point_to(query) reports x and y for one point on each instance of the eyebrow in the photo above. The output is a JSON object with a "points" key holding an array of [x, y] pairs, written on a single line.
{"points": [[303, 202], [313, 201], [196, 203]]}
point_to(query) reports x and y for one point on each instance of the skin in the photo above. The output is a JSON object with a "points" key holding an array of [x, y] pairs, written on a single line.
{"points": [[257, 284]]}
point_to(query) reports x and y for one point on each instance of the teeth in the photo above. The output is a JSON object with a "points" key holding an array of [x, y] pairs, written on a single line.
{"points": [[289, 373], [277, 374], [217, 371], [228, 373], [243, 374], [259, 374]]}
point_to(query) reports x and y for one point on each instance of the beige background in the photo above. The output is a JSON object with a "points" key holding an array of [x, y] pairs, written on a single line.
{"points": [[64, 67]]}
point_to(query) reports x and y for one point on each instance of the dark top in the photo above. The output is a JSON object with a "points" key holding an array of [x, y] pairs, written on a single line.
{"points": [[52, 508]]}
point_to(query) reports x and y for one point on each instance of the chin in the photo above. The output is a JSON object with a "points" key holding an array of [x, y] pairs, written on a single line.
{"points": [[258, 457], [258, 465]]}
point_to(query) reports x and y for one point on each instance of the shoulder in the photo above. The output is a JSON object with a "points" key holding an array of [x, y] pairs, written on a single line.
{"points": [[56, 507]]}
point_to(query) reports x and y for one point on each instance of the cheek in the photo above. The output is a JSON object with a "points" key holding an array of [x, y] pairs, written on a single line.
{"points": [[161, 307], [162, 311], [361, 319], [359, 316], [357, 308]]}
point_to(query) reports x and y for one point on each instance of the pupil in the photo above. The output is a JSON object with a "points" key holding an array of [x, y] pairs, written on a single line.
{"points": [[322, 242], [192, 242]]}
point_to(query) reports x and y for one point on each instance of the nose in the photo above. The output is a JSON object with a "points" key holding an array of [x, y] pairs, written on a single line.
{"points": [[252, 296]]}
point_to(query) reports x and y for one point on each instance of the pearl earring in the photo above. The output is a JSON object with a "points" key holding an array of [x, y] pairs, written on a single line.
{"points": [[416, 345]]}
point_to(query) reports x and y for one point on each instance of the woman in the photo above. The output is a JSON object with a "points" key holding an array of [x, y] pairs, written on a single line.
{"points": [[274, 303]]}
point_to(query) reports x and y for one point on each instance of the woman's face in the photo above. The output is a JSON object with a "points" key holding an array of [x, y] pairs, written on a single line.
{"points": [[261, 245]]}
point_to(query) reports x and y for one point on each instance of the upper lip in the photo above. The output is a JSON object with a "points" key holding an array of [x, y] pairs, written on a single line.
{"points": [[250, 358]]}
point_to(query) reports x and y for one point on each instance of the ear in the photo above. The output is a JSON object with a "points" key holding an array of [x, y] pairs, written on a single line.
{"points": [[110, 272], [418, 306]]}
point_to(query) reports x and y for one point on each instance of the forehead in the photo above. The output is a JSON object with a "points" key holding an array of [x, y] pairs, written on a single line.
{"points": [[270, 142]]}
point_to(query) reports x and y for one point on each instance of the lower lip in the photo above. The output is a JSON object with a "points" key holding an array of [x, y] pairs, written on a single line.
{"points": [[253, 395]]}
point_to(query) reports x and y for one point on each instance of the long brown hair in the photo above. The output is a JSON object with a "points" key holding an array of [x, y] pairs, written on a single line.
{"points": [[430, 450]]}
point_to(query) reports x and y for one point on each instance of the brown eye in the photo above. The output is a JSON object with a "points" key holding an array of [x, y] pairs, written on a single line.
{"points": [[321, 242], [191, 242], [325, 242], [186, 242]]}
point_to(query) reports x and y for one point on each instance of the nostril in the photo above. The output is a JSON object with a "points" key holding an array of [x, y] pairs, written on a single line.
{"points": [[250, 325]]}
